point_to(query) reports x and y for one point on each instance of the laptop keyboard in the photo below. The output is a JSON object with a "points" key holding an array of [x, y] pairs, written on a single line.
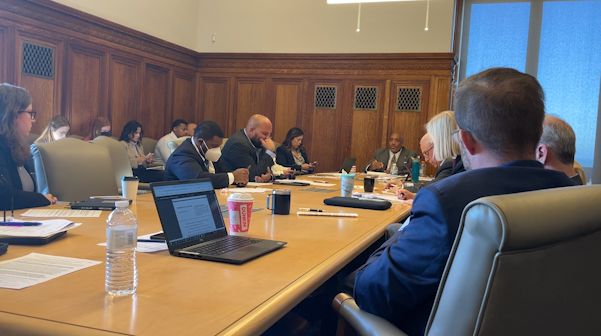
{"points": [[223, 246]]}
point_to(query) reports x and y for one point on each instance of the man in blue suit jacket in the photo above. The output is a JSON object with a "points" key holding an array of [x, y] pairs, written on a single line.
{"points": [[195, 156], [499, 113]]}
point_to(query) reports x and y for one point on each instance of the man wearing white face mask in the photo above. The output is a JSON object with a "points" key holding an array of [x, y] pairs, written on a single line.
{"points": [[198, 157]]}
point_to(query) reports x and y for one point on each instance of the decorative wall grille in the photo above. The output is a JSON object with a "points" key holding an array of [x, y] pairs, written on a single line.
{"points": [[409, 99], [38, 60], [325, 97], [366, 98]]}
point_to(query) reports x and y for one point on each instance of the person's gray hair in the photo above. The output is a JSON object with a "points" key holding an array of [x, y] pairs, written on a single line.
{"points": [[503, 109], [441, 128], [559, 137]]}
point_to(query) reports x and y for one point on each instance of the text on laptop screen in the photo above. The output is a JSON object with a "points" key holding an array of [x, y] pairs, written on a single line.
{"points": [[190, 209]]}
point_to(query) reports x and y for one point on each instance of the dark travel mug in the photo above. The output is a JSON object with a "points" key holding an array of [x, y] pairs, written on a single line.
{"points": [[279, 202]]}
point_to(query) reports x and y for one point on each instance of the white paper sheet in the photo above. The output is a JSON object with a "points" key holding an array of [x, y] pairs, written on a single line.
{"points": [[36, 268], [46, 213], [257, 184], [48, 228], [246, 190], [318, 183], [387, 197]]}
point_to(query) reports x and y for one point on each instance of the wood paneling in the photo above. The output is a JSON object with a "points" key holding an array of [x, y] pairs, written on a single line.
{"points": [[214, 101], [184, 87], [251, 98], [367, 127], [409, 124], [155, 114], [124, 91], [4, 55], [44, 91], [288, 98], [84, 95]]}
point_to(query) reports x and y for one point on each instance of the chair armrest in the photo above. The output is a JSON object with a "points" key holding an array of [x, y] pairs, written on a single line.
{"points": [[364, 323]]}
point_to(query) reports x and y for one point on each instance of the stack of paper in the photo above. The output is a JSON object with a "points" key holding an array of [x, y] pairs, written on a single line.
{"points": [[46, 229]]}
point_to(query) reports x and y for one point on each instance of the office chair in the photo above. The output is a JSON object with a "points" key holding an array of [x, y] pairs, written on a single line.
{"points": [[522, 264], [148, 144], [74, 169], [119, 158]]}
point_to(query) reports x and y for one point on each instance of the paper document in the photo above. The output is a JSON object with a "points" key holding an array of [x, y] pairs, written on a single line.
{"points": [[48, 228], [247, 190], [318, 183], [45, 213], [327, 214], [378, 196], [36, 268], [258, 184]]}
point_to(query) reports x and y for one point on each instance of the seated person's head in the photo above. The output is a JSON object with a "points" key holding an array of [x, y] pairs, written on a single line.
{"points": [[557, 145], [500, 113], [208, 137], [179, 127], [132, 132], [58, 128], [258, 128], [294, 138], [100, 126], [395, 142], [426, 145], [16, 120], [191, 129], [440, 128]]}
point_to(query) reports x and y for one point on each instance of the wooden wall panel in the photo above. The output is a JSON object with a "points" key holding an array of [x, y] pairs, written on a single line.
{"points": [[4, 51], [44, 91], [251, 98], [184, 87], [409, 124], [155, 115], [84, 95], [124, 91], [288, 98], [214, 101], [367, 127]]}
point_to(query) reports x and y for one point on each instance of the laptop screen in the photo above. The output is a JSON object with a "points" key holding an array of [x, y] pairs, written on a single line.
{"points": [[189, 211]]}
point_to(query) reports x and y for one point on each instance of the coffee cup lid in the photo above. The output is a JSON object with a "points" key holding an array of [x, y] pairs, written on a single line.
{"points": [[240, 197]]}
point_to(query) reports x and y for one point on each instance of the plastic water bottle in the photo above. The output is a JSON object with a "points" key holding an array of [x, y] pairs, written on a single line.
{"points": [[121, 238], [415, 168], [394, 170]]}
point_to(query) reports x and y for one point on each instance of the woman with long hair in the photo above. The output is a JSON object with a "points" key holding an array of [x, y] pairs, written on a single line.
{"points": [[292, 152], [58, 128], [99, 126], [131, 136], [16, 120]]}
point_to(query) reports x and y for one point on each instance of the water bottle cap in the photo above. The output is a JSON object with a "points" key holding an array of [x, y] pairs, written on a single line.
{"points": [[122, 204]]}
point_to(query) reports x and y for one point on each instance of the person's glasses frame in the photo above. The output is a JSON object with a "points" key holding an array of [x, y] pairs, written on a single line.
{"points": [[32, 114]]}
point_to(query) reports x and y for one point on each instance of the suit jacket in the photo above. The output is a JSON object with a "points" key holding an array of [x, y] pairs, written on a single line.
{"points": [[10, 184], [284, 157], [185, 163], [403, 160], [239, 152], [400, 280]]}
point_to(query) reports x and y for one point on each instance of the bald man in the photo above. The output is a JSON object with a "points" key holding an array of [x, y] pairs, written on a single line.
{"points": [[557, 147], [394, 153], [252, 148]]}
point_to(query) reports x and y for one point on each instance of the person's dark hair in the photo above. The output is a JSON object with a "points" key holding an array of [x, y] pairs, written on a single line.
{"points": [[503, 109], [178, 122], [129, 129], [559, 137], [207, 130], [292, 133], [13, 99], [96, 126]]}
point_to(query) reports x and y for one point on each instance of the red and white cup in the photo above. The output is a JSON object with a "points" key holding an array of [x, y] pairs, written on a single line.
{"points": [[240, 207]]}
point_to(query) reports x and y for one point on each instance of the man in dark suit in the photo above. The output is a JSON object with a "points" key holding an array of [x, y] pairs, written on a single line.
{"points": [[499, 113], [198, 157], [394, 153], [251, 148], [557, 148]]}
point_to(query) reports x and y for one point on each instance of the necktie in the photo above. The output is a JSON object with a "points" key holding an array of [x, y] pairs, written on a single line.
{"points": [[394, 158]]}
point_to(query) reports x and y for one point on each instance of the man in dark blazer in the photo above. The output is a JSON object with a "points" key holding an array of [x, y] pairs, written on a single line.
{"points": [[384, 157], [251, 148], [198, 157], [499, 113]]}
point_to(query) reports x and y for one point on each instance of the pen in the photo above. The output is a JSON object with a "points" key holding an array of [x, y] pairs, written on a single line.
{"points": [[319, 181], [150, 241], [309, 209], [20, 224]]}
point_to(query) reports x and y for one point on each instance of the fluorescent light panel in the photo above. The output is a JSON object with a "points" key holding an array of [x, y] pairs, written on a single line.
{"points": [[339, 2]]}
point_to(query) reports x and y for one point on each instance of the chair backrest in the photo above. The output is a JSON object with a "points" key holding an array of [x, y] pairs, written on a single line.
{"points": [[148, 144], [75, 136], [119, 158], [173, 144], [524, 264], [75, 169]]}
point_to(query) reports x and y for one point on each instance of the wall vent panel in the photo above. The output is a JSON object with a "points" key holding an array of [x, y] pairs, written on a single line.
{"points": [[38, 61], [325, 97], [366, 98], [409, 99]]}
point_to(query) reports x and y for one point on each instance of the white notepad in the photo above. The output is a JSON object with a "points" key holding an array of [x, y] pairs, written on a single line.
{"points": [[327, 214]]}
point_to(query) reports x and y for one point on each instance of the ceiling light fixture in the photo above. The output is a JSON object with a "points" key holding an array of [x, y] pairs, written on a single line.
{"points": [[358, 19], [427, 15]]}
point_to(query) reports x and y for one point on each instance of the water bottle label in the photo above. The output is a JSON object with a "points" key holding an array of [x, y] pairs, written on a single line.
{"points": [[118, 239]]}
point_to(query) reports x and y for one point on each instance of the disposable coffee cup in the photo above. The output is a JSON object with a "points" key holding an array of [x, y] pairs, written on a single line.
{"points": [[239, 207], [368, 183], [129, 187], [347, 182]]}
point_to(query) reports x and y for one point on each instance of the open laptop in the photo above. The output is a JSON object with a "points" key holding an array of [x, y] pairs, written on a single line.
{"points": [[194, 228]]}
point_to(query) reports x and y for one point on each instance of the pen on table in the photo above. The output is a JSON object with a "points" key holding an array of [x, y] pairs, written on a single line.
{"points": [[309, 209], [151, 241], [20, 224], [319, 181]]}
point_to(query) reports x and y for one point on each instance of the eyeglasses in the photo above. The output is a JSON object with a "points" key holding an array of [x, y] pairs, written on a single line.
{"points": [[428, 151], [32, 114]]}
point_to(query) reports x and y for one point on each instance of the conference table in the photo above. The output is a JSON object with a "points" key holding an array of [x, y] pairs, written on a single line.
{"points": [[180, 296]]}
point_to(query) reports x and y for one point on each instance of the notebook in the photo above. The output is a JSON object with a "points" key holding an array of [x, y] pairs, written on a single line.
{"points": [[97, 203], [194, 228]]}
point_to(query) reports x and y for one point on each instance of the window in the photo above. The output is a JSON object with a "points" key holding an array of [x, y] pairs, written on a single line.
{"points": [[559, 42]]}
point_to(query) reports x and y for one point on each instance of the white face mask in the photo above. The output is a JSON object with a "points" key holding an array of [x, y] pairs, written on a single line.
{"points": [[211, 154]]}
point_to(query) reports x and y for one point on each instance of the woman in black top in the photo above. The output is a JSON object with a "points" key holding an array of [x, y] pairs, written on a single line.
{"points": [[16, 119], [292, 152]]}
